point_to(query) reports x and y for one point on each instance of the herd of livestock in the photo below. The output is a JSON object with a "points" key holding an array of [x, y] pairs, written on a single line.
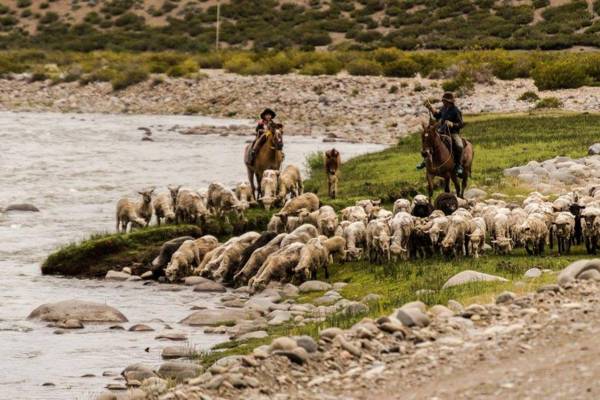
{"points": [[304, 236]]}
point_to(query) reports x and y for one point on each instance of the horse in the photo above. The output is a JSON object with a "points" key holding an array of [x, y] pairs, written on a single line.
{"points": [[269, 156], [439, 160]]}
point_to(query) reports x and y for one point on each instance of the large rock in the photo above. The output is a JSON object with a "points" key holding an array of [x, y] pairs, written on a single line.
{"points": [[218, 317], [469, 276], [577, 269], [84, 311], [179, 371], [138, 372], [475, 194], [167, 250], [209, 286], [412, 316], [314, 286], [171, 352], [113, 275], [594, 149], [22, 207]]}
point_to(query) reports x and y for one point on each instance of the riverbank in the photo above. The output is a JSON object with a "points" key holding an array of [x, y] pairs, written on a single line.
{"points": [[369, 109]]}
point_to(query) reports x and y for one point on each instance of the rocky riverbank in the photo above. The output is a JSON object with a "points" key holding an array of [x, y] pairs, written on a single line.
{"points": [[514, 347], [362, 109]]}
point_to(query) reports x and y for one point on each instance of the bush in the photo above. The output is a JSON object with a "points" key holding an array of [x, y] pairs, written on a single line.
{"points": [[241, 64], [561, 74], [363, 67], [529, 96], [401, 68], [549, 102], [128, 77], [461, 84], [211, 61], [277, 65]]}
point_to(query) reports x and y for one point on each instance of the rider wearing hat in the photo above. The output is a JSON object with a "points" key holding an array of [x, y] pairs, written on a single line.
{"points": [[451, 121], [266, 119]]}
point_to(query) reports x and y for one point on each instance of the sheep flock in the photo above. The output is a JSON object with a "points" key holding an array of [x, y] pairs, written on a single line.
{"points": [[304, 237]]}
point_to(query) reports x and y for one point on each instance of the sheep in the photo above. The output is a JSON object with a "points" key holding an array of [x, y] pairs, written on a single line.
{"points": [[401, 227], [232, 257], [278, 266], [455, 241], [339, 231], [244, 194], [276, 225], [382, 213], [336, 247], [516, 217], [477, 234], [290, 182], [302, 234], [222, 200], [563, 230], [420, 244], [163, 208], [332, 166], [533, 232], [355, 214], [369, 206], [182, 261], [421, 207], [327, 221], [293, 223], [501, 242], [591, 228], [308, 201], [314, 255], [355, 234], [446, 202], [136, 213], [190, 208], [256, 260], [401, 205], [307, 217], [212, 259], [205, 244], [174, 191], [436, 229], [576, 209], [378, 241], [268, 188]]}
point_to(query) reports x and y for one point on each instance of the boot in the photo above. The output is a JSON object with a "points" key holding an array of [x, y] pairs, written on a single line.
{"points": [[458, 162], [421, 165]]}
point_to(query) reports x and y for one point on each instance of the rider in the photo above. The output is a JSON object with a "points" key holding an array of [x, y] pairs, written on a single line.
{"points": [[266, 119], [450, 118]]}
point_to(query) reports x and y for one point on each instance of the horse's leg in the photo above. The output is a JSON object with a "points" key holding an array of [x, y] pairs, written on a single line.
{"points": [[251, 179], [456, 185], [465, 180], [430, 184]]}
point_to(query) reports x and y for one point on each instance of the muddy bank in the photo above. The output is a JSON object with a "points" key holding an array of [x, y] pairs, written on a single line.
{"points": [[362, 109]]}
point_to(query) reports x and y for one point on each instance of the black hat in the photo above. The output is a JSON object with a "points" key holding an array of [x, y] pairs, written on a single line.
{"points": [[449, 97], [268, 111]]}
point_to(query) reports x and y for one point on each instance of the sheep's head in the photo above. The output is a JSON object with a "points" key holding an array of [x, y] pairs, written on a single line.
{"points": [[174, 190], [434, 233], [147, 195], [503, 245], [354, 254], [170, 217], [328, 226], [267, 202], [172, 271]]}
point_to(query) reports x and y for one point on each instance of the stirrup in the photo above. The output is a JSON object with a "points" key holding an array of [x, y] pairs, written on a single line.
{"points": [[460, 171], [421, 165]]}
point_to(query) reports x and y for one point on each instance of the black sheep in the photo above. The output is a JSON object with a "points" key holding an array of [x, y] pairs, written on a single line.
{"points": [[446, 202], [575, 209]]}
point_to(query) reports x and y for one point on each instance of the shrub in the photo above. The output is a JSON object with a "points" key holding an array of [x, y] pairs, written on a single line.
{"points": [[393, 89], [529, 96], [461, 84], [239, 64], [23, 3], [128, 77], [363, 67], [561, 74], [277, 65], [211, 61], [401, 68], [549, 102], [386, 55], [187, 67]]}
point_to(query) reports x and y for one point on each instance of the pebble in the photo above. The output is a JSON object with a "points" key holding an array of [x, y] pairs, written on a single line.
{"points": [[314, 286], [505, 297], [140, 328], [172, 352], [297, 355], [283, 343], [307, 343], [116, 276], [171, 335], [209, 286], [533, 273]]}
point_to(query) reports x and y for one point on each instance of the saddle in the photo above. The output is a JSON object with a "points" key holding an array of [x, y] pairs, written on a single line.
{"points": [[447, 140]]}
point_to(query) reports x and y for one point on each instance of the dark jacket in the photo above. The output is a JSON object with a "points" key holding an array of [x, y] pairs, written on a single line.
{"points": [[262, 126], [452, 114]]}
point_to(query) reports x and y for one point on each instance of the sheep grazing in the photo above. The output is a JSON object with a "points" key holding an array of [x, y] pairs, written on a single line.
{"points": [[382, 213], [436, 229], [278, 266], [401, 205], [307, 217], [182, 261], [205, 244], [314, 255], [563, 230], [378, 241], [276, 225], [233, 256], [591, 228], [421, 207], [163, 208], [293, 223], [332, 166], [290, 182], [327, 221], [301, 234], [533, 234], [355, 214], [477, 236], [401, 227], [268, 189], [356, 235], [213, 259], [336, 247], [420, 245], [174, 191], [190, 208], [308, 201], [222, 201], [576, 210], [256, 260], [501, 242], [263, 240], [244, 194], [135, 213], [369, 206], [454, 243], [446, 202]]}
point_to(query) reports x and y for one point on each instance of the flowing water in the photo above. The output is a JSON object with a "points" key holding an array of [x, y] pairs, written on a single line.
{"points": [[74, 167]]}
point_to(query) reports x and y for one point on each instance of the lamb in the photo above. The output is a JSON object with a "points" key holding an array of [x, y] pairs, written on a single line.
{"points": [[313, 256], [307, 217], [293, 223], [355, 214], [437, 229], [454, 243], [190, 208], [278, 266], [355, 234], [134, 213], [336, 247], [268, 188], [301, 234], [591, 228], [276, 225], [516, 217], [222, 200], [421, 207], [205, 244], [212, 259], [420, 244], [563, 231], [477, 236], [378, 241], [243, 192], [332, 166], [401, 227], [232, 257], [290, 182], [533, 233], [163, 208], [382, 213], [501, 242], [401, 205], [174, 191], [182, 261], [263, 240], [327, 221], [257, 259], [308, 201]]}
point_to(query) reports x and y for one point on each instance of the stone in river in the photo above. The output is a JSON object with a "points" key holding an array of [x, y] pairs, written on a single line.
{"points": [[84, 311], [218, 317], [179, 371], [140, 328]]}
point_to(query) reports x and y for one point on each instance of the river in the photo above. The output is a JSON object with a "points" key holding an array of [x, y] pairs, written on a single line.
{"points": [[74, 167]]}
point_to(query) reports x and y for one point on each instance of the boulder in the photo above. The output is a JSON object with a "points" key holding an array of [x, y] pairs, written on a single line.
{"points": [[279, 317], [339, 285], [209, 286], [314, 286], [307, 343], [113, 275], [594, 149], [474, 194], [171, 352], [533, 273], [330, 333], [354, 308], [218, 317], [469, 276], [167, 250], [252, 335], [290, 290], [297, 355], [170, 334], [195, 280], [412, 317], [328, 298], [440, 311], [138, 372], [576, 269], [505, 297], [179, 371], [283, 343], [26, 207], [84, 311]]}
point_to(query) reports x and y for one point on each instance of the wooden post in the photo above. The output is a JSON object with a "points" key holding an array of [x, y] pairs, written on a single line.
{"points": [[218, 23]]}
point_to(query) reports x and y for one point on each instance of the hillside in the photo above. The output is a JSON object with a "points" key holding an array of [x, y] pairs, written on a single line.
{"points": [[265, 24]]}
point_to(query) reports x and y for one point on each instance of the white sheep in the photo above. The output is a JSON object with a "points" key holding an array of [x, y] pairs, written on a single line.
{"points": [[355, 214], [222, 201], [454, 241], [563, 231], [278, 266], [327, 221], [437, 229], [136, 213], [401, 205], [290, 182], [190, 208], [533, 234], [182, 261], [232, 257], [356, 235], [477, 234], [313, 256], [501, 240], [302, 234], [276, 225], [163, 208], [257, 259], [401, 225], [308, 201], [243, 192], [336, 247], [591, 228], [378, 241], [268, 190]]}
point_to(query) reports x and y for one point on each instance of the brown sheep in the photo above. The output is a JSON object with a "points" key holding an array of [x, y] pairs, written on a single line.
{"points": [[136, 213], [332, 167]]}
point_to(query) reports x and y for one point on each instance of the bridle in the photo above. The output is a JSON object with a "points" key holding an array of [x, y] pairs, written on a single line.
{"points": [[427, 152]]}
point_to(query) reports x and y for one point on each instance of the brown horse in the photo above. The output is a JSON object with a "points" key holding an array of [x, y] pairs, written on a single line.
{"points": [[439, 160], [269, 156]]}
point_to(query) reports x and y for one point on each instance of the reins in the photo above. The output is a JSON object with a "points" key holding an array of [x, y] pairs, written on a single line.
{"points": [[438, 168]]}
